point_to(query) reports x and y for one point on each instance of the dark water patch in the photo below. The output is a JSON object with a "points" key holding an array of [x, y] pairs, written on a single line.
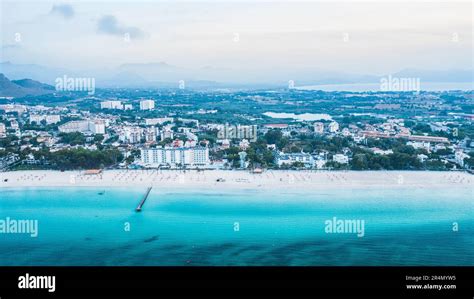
{"points": [[149, 240]]}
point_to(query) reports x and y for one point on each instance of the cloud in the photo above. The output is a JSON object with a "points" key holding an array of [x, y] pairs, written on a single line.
{"points": [[64, 10], [110, 25]]}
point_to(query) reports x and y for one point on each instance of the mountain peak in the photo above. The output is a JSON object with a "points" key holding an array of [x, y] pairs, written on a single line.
{"points": [[23, 87]]}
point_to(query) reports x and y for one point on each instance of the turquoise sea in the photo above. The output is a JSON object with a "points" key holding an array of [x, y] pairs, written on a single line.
{"points": [[99, 226]]}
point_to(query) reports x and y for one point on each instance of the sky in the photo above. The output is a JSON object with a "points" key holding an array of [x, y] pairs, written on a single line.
{"points": [[350, 36]]}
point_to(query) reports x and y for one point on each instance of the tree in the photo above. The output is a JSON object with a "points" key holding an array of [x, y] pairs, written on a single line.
{"points": [[273, 136], [84, 159], [74, 138], [98, 138], [360, 162]]}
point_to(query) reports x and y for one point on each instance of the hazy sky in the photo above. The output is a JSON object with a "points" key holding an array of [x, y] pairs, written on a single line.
{"points": [[351, 36]]}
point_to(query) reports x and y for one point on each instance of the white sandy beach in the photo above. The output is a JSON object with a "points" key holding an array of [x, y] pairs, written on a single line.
{"points": [[271, 179]]}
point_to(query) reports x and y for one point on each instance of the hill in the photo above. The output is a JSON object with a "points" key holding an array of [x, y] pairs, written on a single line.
{"points": [[23, 87]]}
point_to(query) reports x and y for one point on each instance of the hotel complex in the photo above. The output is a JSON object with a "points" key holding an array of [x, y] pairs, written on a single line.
{"points": [[173, 157], [83, 126]]}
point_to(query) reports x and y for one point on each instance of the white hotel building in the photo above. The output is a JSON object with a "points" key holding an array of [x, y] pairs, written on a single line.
{"points": [[193, 157], [147, 105], [83, 126]]}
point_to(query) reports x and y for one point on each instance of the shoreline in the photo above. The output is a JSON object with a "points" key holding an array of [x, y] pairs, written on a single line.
{"points": [[272, 179]]}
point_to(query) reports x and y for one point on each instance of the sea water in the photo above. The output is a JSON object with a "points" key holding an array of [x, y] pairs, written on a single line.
{"points": [[99, 226]]}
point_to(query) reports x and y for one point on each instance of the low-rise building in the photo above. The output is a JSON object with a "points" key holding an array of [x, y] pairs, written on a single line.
{"points": [[111, 105], [49, 118], [8, 160], [333, 127], [340, 158], [459, 156], [419, 145], [166, 133], [244, 144], [14, 124], [290, 158], [422, 157], [318, 127], [379, 151], [157, 121]]}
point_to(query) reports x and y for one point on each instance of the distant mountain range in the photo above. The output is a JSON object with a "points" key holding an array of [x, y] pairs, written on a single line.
{"points": [[23, 87], [163, 75]]}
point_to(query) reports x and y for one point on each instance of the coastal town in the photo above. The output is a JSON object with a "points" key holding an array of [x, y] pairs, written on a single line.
{"points": [[177, 129], [237, 147]]}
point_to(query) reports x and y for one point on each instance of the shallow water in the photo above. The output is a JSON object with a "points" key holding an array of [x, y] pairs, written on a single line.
{"points": [[99, 226]]}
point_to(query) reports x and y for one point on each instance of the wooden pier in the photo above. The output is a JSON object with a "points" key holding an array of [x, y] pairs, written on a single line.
{"points": [[142, 202]]}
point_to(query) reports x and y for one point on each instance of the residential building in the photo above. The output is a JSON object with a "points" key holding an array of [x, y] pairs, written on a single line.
{"points": [[187, 121], [244, 144], [3, 130], [8, 160], [111, 105], [428, 138], [157, 121], [97, 126], [83, 126], [333, 127], [225, 144], [345, 132], [318, 127], [50, 119], [290, 158], [166, 133], [19, 109], [340, 158], [147, 105], [319, 163], [422, 157], [276, 126], [459, 156], [359, 138], [150, 134], [420, 145], [379, 151], [191, 136], [131, 135], [14, 124]]}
